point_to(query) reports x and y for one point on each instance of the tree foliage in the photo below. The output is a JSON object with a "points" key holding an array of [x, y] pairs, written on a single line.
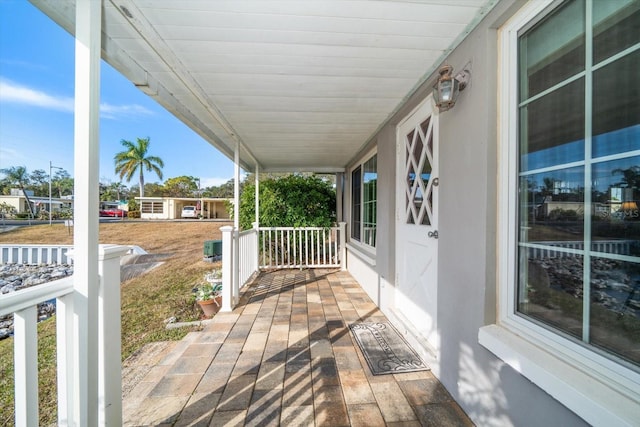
{"points": [[18, 175], [62, 183], [134, 159], [181, 186], [113, 191], [39, 182], [290, 201], [222, 191]]}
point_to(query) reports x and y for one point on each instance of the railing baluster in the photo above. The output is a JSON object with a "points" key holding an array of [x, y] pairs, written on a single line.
{"points": [[64, 352], [288, 249], [261, 239], [300, 248], [324, 247], [274, 261], [306, 246], [26, 366], [319, 259], [281, 248]]}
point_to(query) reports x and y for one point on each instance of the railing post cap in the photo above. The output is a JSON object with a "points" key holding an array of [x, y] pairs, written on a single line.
{"points": [[107, 251], [226, 228]]}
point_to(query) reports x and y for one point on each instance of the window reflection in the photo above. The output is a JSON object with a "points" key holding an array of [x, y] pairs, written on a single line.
{"points": [[615, 306], [551, 288], [615, 223], [552, 206], [552, 128], [553, 50]]}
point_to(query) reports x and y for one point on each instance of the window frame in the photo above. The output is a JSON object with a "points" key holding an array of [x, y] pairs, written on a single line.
{"points": [[599, 389], [361, 165], [150, 207]]}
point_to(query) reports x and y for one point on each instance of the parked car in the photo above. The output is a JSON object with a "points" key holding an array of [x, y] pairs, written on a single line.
{"points": [[113, 212], [190, 212]]}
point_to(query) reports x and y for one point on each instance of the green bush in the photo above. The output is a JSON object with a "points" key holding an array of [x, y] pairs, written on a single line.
{"points": [[65, 213], [133, 214], [133, 205], [290, 201]]}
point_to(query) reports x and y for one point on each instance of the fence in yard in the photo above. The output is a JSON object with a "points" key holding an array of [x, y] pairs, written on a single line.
{"points": [[35, 254]]}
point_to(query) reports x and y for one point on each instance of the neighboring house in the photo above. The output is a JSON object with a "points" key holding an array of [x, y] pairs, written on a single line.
{"points": [[19, 202], [171, 207], [436, 202]]}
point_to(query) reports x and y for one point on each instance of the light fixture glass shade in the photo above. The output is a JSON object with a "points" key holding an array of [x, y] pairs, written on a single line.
{"points": [[445, 93], [446, 89]]}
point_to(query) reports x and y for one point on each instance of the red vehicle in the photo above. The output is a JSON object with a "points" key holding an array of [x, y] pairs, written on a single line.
{"points": [[113, 212]]}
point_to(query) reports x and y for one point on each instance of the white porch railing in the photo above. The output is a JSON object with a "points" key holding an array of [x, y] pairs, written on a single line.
{"points": [[23, 305], [276, 247], [248, 241], [35, 254], [307, 247]]}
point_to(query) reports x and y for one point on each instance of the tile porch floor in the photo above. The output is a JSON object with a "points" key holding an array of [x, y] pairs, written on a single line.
{"points": [[285, 356]]}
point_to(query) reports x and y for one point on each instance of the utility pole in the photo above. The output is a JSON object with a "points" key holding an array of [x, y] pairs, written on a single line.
{"points": [[50, 206]]}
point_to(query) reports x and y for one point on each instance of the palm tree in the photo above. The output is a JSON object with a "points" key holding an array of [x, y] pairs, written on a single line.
{"points": [[17, 175], [134, 158]]}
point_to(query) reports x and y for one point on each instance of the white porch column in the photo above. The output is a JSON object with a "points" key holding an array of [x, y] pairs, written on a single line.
{"points": [[109, 324], [256, 224], [227, 268], [257, 196], [236, 224], [343, 245], [85, 235], [339, 196]]}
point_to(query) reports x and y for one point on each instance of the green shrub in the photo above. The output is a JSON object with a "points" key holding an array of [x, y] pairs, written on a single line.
{"points": [[290, 201], [133, 214]]}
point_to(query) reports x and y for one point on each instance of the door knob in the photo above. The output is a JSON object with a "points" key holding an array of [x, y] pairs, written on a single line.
{"points": [[433, 234]]}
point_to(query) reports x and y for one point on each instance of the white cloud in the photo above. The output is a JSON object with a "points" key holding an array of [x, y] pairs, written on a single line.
{"points": [[18, 94], [11, 92], [109, 111]]}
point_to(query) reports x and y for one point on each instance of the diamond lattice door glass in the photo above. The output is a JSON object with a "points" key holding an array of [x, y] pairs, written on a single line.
{"points": [[418, 168]]}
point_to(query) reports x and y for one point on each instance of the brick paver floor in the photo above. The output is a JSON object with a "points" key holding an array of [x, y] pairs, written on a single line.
{"points": [[285, 356]]}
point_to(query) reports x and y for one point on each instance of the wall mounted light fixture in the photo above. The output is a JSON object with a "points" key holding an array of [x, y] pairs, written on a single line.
{"points": [[446, 89]]}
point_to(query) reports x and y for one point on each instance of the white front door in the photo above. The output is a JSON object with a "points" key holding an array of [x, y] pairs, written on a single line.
{"points": [[417, 222]]}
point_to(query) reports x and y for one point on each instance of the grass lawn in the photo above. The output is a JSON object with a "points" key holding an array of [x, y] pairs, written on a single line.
{"points": [[147, 300]]}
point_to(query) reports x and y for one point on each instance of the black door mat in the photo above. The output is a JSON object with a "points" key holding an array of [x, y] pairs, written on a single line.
{"points": [[385, 350]]}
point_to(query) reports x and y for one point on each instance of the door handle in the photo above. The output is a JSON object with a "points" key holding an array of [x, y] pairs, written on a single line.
{"points": [[433, 234]]}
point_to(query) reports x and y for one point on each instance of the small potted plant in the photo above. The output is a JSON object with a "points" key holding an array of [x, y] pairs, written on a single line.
{"points": [[209, 293]]}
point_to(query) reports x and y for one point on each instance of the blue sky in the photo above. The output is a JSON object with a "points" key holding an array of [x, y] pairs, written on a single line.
{"points": [[36, 107]]}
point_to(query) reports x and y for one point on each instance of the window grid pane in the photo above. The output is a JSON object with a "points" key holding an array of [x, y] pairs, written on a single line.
{"points": [[370, 201], [356, 197], [581, 281]]}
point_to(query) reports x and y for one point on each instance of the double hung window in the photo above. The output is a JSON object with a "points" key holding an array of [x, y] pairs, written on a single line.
{"points": [[364, 183]]}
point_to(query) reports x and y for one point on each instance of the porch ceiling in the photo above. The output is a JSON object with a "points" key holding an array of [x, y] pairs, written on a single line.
{"points": [[302, 85]]}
